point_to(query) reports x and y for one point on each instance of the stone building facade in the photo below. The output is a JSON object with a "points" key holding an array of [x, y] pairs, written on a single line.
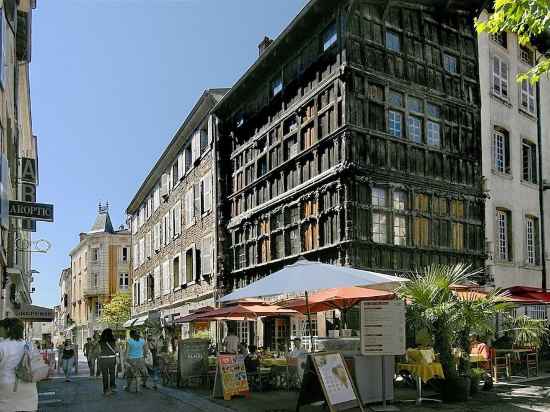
{"points": [[355, 139], [173, 222], [100, 268], [511, 154], [17, 141]]}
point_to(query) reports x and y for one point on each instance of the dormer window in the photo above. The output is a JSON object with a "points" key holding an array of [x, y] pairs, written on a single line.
{"points": [[329, 37], [276, 87]]}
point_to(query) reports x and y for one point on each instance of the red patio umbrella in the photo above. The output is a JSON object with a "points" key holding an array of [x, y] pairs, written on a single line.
{"points": [[193, 315]]}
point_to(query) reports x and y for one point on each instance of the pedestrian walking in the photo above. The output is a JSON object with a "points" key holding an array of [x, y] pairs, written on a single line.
{"points": [[154, 366], [121, 348], [15, 395], [95, 350], [88, 347], [68, 359], [107, 361], [136, 361]]}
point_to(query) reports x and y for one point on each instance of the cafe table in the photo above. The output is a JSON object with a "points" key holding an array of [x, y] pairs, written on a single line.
{"points": [[423, 372]]}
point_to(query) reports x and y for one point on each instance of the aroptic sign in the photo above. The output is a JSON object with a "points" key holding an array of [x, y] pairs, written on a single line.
{"points": [[33, 211]]}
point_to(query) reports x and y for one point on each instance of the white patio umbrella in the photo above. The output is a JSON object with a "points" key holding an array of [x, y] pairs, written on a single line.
{"points": [[305, 276]]}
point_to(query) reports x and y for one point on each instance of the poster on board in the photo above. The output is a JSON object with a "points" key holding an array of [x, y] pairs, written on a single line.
{"points": [[231, 379], [326, 377]]}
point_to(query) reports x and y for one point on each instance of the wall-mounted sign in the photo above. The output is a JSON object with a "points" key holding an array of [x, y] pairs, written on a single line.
{"points": [[29, 180], [33, 211], [28, 170], [36, 246]]}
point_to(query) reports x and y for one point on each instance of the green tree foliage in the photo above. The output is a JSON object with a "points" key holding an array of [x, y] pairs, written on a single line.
{"points": [[527, 19], [116, 312]]}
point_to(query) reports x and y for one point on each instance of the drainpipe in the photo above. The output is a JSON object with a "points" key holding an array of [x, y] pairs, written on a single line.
{"points": [[541, 190]]}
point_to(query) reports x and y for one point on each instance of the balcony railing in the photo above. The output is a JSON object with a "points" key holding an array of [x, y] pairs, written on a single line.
{"points": [[95, 289]]}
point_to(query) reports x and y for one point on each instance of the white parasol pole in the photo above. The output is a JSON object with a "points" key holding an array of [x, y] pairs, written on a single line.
{"points": [[309, 323]]}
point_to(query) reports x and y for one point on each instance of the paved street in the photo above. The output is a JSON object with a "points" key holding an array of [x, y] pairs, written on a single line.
{"points": [[83, 394]]}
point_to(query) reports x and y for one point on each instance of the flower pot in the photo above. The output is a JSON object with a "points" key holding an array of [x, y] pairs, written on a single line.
{"points": [[346, 333], [456, 389]]}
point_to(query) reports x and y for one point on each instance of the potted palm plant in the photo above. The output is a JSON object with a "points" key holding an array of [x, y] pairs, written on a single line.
{"points": [[476, 313], [432, 305]]}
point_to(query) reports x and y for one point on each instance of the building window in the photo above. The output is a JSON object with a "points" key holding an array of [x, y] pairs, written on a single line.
{"points": [[399, 200], [379, 227], [415, 129], [414, 105], [394, 123], [434, 133], [501, 152], [95, 254], [378, 197], [500, 38], [532, 240], [527, 100], [400, 230], [433, 110], [176, 272], [123, 281], [175, 174], [503, 224], [537, 312], [393, 41], [457, 240], [329, 37], [124, 254], [529, 161], [395, 98], [189, 260], [276, 87], [98, 309], [500, 77], [451, 63], [526, 55], [421, 231]]}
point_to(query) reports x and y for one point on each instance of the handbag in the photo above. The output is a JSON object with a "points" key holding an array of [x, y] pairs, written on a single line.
{"points": [[31, 368]]}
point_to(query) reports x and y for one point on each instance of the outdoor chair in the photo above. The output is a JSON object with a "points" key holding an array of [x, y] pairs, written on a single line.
{"points": [[532, 361], [169, 371], [501, 364], [294, 379]]}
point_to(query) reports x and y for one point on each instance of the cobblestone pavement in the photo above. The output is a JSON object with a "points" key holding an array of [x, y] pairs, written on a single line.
{"points": [[84, 394]]}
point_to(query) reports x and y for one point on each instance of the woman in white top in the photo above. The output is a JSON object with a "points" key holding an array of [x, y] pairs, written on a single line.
{"points": [[12, 347]]}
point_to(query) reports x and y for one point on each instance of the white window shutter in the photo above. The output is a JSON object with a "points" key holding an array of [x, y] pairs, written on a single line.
{"points": [[180, 165], [189, 207], [142, 288], [177, 212], [196, 145], [197, 195], [210, 129], [208, 192], [156, 276]]}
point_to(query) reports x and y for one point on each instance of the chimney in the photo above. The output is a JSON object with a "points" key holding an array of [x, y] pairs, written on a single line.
{"points": [[264, 44]]}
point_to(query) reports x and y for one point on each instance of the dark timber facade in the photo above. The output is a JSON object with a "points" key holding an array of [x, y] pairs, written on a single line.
{"points": [[355, 140]]}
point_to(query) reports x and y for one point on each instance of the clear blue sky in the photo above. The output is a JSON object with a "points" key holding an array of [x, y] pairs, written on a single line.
{"points": [[111, 81]]}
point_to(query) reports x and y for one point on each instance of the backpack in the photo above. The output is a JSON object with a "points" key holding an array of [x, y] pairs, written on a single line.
{"points": [[31, 367]]}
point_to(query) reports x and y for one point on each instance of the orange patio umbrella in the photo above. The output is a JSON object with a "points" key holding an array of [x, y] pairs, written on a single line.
{"points": [[337, 298], [241, 312]]}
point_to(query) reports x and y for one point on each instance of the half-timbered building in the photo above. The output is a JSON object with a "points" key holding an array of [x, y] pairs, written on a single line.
{"points": [[354, 139]]}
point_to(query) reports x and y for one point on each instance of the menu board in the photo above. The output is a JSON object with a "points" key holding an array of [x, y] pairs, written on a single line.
{"points": [[231, 377], [327, 378], [335, 378], [193, 358], [383, 327]]}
